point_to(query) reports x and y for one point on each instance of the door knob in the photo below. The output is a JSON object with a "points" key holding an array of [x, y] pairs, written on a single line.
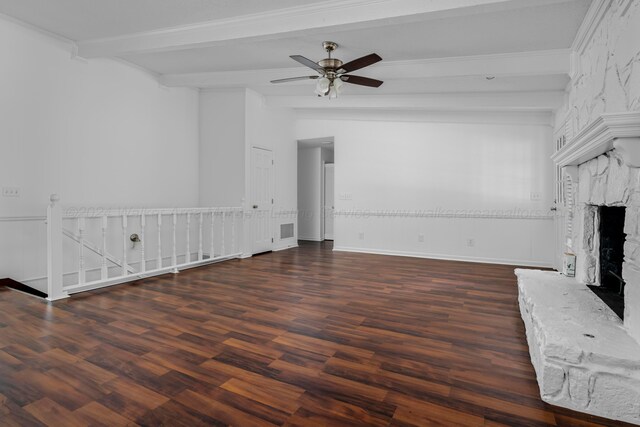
{"points": [[255, 206]]}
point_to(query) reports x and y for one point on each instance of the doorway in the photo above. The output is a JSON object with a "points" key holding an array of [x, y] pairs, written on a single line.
{"points": [[261, 200], [315, 200]]}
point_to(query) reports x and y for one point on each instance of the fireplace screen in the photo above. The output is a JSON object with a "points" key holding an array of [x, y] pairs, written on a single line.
{"points": [[611, 257]]}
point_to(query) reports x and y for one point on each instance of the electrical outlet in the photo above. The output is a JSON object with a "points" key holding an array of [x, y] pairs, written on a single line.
{"points": [[471, 242], [535, 196], [361, 235], [421, 238], [10, 192]]}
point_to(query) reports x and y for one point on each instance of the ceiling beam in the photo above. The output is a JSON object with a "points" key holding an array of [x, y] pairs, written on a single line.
{"points": [[552, 62], [505, 101], [334, 15], [540, 118]]}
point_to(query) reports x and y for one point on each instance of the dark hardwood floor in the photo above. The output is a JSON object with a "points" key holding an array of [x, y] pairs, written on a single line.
{"points": [[299, 337]]}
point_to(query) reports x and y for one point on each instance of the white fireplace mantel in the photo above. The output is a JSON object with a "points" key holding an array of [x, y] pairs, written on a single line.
{"points": [[620, 131]]}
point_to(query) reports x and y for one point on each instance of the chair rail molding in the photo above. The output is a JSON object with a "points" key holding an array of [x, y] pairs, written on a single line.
{"points": [[620, 131]]}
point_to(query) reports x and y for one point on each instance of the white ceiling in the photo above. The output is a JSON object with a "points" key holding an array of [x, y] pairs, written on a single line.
{"points": [[529, 29], [92, 19], [230, 43]]}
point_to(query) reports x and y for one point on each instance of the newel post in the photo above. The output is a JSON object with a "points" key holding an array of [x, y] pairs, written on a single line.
{"points": [[54, 250]]}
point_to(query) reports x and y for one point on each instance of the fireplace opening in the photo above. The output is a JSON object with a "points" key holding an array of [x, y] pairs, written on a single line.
{"points": [[611, 256]]}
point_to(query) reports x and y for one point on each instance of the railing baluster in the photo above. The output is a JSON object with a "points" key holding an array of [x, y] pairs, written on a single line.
{"points": [[143, 260], [55, 231], [159, 262], [233, 232], [124, 245], [213, 217], [188, 256], [174, 257], [200, 239], [224, 214], [104, 270], [81, 267]]}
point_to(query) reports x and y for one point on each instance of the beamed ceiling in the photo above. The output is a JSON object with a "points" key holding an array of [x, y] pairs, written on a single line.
{"points": [[430, 49]]}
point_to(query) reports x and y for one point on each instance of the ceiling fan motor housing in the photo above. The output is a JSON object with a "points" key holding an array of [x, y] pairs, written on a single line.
{"points": [[330, 64]]}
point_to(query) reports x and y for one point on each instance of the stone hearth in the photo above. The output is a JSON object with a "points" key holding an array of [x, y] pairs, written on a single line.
{"points": [[583, 356]]}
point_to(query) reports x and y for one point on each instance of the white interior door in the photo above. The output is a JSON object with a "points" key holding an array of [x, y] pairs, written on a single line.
{"points": [[329, 205], [261, 199]]}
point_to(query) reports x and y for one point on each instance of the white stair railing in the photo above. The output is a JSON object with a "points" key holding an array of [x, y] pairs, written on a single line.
{"points": [[71, 271]]}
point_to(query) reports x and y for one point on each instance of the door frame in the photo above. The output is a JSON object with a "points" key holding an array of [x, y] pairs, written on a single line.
{"points": [[322, 198], [323, 189], [273, 196]]}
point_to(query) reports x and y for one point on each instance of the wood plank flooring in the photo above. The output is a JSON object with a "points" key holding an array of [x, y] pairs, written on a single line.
{"points": [[303, 337]]}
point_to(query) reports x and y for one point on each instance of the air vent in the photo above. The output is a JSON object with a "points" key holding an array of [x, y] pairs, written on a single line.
{"points": [[286, 231]]}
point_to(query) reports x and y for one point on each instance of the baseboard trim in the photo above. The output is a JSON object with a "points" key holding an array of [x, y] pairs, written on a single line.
{"points": [[285, 248], [479, 260], [309, 239]]}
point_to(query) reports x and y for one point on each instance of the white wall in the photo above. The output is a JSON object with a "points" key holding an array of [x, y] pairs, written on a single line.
{"points": [[309, 197], [222, 147], [273, 128], [476, 169], [98, 133]]}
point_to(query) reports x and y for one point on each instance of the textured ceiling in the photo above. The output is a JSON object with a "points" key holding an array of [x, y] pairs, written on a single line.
{"points": [[89, 19]]}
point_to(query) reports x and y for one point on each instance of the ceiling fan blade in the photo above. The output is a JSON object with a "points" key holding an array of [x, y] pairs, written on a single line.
{"points": [[293, 79], [356, 64], [308, 63], [362, 81]]}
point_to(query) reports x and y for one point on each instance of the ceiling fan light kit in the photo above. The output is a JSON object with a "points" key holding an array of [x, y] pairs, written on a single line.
{"points": [[333, 72]]}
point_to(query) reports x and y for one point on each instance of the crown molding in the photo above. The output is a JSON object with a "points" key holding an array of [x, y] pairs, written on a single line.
{"points": [[65, 42], [535, 118], [620, 131], [144, 70], [72, 46], [315, 18]]}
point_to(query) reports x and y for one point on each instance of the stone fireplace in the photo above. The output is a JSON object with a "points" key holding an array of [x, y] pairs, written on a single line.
{"points": [[603, 166], [584, 343]]}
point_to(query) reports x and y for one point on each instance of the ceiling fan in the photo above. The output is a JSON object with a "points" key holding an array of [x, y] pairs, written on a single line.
{"points": [[332, 72]]}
